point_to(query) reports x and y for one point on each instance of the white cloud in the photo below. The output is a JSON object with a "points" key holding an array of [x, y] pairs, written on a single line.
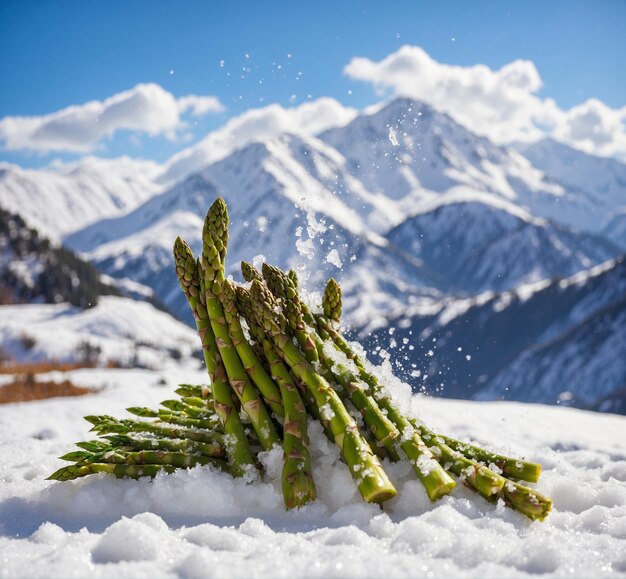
{"points": [[500, 104], [309, 118], [595, 128], [200, 105], [146, 108]]}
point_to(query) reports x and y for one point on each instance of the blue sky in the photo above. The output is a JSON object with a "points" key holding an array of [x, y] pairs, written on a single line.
{"points": [[252, 53]]}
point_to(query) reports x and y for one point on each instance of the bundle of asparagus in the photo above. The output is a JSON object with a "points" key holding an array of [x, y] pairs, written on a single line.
{"points": [[273, 364]]}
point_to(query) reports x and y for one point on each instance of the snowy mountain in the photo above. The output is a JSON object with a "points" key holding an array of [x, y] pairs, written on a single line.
{"points": [[487, 244], [403, 205], [411, 154], [560, 341], [59, 201], [301, 202], [277, 210]]}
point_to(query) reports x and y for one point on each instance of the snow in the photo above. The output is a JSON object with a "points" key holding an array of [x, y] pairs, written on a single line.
{"points": [[124, 330], [203, 523]]}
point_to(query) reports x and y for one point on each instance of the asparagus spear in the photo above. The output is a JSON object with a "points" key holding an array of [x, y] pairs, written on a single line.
{"points": [[511, 467], [371, 479], [143, 412], [526, 500], [297, 477], [179, 418], [193, 390], [331, 301], [249, 272], [212, 276], [138, 442], [191, 410], [109, 425], [118, 470], [293, 276], [239, 454]]}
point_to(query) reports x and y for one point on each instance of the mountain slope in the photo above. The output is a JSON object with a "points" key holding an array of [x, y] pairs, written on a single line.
{"points": [[560, 341], [57, 202], [487, 244], [117, 331], [603, 178], [33, 270]]}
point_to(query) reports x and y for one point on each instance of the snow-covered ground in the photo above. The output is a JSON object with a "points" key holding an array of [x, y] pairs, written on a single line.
{"points": [[124, 331], [201, 523]]}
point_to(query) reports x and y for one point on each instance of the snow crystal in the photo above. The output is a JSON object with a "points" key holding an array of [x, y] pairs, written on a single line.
{"points": [[334, 259], [393, 137], [258, 261], [326, 412], [305, 247]]}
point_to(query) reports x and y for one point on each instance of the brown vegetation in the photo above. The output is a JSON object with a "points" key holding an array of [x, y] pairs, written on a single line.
{"points": [[42, 367], [25, 388]]}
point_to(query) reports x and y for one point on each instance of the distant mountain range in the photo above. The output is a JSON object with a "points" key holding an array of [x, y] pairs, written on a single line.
{"points": [[412, 212]]}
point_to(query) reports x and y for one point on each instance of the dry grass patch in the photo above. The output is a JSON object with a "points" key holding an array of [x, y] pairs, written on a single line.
{"points": [[42, 367], [26, 389]]}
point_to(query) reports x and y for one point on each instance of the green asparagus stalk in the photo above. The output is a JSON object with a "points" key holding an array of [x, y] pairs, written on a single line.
{"points": [[477, 476], [293, 276], [240, 456], [164, 457], [249, 272], [118, 470], [92, 445], [244, 306], [191, 410], [213, 281], [282, 288], [114, 426], [526, 500], [181, 419], [197, 402], [371, 479], [143, 412], [511, 467], [297, 478]]}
